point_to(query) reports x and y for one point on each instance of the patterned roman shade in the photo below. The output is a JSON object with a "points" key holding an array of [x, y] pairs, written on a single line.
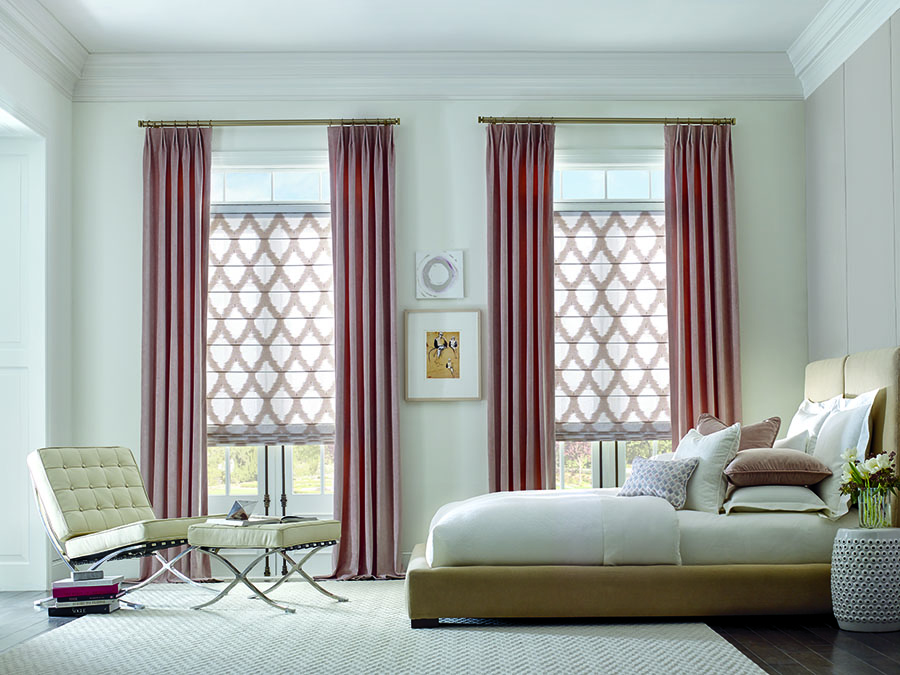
{"points": [[270, 332], [612, 370]]}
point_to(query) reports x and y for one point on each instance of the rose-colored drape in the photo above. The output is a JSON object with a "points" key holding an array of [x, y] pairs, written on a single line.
{"points": [[177, 164], [366, 453], [520, 306], [702, 277]]}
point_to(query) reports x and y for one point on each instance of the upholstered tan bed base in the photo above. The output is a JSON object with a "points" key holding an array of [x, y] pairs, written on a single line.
{"points": [[560, 591], [563, 591]]}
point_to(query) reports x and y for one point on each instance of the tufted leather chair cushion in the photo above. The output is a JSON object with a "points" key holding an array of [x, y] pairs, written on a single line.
{"points": [[87, 490]]}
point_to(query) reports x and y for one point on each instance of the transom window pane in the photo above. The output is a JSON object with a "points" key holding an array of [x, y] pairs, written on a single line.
{"points": [[657, 186], [297, 186], [248, 186], [582, 184], [628, 184]]}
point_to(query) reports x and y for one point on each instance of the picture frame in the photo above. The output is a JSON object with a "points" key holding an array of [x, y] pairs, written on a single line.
{"points": [[443, 355], [440, 275]]}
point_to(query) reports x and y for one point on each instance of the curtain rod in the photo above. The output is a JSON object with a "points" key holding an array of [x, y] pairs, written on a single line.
{"points": [[608, 120], [269, 123]]}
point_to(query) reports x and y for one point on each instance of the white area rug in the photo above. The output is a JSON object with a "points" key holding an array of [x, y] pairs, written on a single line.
{"points": [[369, 634]]}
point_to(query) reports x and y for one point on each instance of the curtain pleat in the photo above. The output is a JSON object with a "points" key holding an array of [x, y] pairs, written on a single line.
{"points": [[367, 467], [520, 302], [177, 165], [702, 276]]}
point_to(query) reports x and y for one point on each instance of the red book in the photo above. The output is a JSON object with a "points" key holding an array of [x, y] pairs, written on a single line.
{"points": [[76, 591]]}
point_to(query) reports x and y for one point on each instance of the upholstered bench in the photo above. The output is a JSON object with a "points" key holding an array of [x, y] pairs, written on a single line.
{"points": [[277, 538]]}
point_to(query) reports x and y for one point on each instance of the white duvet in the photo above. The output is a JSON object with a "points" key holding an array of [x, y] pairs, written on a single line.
{"points": [[554, 527]]}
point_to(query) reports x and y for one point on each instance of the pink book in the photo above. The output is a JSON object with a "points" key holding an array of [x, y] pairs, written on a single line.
{"points": [[75, 591]]}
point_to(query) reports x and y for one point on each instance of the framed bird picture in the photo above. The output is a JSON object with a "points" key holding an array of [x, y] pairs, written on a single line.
{"points": [[443, 355]]}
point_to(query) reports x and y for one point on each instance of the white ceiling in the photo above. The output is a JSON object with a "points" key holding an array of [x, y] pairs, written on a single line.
{"points": [[104, 26]]}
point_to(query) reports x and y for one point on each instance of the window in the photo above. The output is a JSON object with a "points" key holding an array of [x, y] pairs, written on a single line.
{"points": [[270, 338], [611, 332]]}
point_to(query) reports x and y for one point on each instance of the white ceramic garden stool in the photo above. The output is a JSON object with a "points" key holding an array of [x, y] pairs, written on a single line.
{"points": [[865, 579]]}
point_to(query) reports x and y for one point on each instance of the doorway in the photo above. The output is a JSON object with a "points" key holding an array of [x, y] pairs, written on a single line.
{"points": [[23, 544]]}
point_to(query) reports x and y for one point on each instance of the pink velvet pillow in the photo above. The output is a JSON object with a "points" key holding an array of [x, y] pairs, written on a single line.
{"points": [[759, 435], [775, 466]]}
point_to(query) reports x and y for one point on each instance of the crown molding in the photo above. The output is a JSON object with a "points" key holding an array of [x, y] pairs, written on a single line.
{"points": [[436, 76], [833, 35], [35, 36]]}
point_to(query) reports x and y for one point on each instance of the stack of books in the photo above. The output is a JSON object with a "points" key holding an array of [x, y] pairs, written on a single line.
{"points": [[86, 592]]}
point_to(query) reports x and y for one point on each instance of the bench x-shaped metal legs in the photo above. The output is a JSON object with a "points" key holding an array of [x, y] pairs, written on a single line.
{"points": [[298, 567], [241, 576]]}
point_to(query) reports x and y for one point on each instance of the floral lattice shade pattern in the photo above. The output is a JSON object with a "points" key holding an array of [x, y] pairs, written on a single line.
{"points": [[270, 330], [612, 369]]}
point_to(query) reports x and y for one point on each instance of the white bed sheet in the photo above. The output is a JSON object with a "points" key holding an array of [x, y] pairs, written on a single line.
{"points": [[758, 538]]}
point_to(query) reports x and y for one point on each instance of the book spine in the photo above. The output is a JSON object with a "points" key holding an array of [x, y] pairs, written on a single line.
{"points": [[89, 598], [106, 608], [79, 591]]}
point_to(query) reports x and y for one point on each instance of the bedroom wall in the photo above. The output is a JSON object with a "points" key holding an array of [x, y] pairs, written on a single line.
{"points": [[440, 197], [38, 413], [853, 183]]}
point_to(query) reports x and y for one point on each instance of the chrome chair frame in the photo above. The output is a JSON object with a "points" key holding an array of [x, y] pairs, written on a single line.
{"points": [[121, 553]]}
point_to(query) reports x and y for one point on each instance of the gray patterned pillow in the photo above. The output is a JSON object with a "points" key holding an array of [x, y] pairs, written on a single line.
{"points": [[660, 479]]}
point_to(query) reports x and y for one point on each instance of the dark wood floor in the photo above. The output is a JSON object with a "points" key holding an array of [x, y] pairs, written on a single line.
{"points": [[19, 621], [809, 644], [782, 645]]}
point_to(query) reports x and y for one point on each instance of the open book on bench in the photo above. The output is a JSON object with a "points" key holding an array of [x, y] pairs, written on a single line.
{"points": [[260, 520]]}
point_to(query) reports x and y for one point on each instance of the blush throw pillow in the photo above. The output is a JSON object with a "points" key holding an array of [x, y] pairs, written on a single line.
{"points": [[842, 430], [771, 466], [759, 435], [706, 488], [774, 498], [660, 479]]}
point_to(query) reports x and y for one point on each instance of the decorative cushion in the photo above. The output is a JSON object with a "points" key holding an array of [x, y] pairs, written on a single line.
{"points": [[759, 435], [774, 498], [795, 442], [86, 490], [775, 466], [706, 488], [842, 430], [134, 533], [810, 417], [274, 535], [667, 479]]}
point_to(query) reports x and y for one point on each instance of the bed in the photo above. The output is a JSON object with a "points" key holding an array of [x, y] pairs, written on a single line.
{"points": [[746, 581]]}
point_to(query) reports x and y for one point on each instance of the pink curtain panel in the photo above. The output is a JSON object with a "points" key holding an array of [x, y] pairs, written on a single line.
{"points": [[702, 277], [177, 164], [367, 454], [520, 376]]}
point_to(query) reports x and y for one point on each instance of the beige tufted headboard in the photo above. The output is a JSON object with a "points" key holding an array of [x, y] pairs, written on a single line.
{"points": [[853, 375]]}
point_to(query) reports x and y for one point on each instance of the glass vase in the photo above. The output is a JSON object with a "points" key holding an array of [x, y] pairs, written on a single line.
{"points": [[874, 507]]}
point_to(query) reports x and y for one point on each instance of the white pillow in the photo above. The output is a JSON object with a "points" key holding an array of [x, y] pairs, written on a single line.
{"points": [[706, 488], [774, 498], [810, 417], [795, 442], [842, 430]]}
